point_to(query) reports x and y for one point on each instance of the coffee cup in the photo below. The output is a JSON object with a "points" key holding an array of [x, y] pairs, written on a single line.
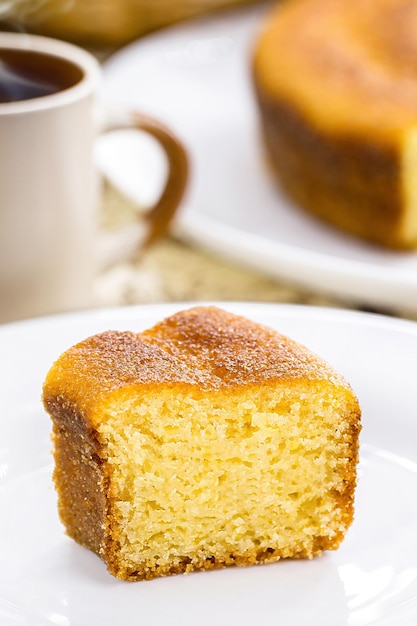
{"points": [[50, 247]]}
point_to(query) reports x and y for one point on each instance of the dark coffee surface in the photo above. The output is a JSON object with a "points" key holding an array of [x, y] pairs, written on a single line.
{"points": [[25, 75]]}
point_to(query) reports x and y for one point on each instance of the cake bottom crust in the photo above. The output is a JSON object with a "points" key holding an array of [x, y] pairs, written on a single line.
{"points": [[187, 565]]}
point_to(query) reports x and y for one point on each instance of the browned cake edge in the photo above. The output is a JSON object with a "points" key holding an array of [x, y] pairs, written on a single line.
{"points": [[345, 180]]}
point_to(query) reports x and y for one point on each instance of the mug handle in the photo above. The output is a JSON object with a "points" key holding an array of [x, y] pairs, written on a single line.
{"points": [[154, 223]]}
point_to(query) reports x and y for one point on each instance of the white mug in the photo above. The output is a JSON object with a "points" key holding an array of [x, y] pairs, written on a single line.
{"points": [[49, 189]]}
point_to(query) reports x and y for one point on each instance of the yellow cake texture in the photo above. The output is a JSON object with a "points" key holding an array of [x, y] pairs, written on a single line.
{"points": [[336, 87], [206, 441]]}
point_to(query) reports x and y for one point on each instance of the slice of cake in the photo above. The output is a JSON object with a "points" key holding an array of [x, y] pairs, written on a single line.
{"points": [[336, 86], [206, 441]]}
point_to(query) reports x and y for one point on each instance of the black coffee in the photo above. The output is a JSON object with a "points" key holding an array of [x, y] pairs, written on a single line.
{"points": [[25, 74]]}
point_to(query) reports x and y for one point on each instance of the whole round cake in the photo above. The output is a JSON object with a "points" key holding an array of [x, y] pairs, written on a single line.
{"points": [[336, 83]]}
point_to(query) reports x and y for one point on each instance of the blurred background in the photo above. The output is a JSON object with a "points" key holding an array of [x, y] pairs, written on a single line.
{"points": [[175, 269]]}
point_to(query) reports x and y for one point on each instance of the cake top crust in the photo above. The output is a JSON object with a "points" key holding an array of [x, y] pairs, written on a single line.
{"points": [[203, 347], [346, 64]]}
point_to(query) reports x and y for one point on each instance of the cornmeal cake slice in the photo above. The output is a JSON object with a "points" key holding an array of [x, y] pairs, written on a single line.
{"points": [[206, 441]]}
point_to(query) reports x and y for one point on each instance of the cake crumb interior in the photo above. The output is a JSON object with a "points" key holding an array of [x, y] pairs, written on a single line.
{"points": [[195, 476]]}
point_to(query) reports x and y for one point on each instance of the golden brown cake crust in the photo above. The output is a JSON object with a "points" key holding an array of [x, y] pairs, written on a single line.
{"points": [[336, 82], [203, 347], [346, 64]]}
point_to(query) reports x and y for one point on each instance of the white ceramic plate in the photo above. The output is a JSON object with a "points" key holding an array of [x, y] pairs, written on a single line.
{"points": [[45, 578], [196, 78]]}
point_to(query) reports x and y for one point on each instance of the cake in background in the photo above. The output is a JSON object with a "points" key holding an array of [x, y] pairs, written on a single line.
{"points": [[336, 85], [206, 441]]}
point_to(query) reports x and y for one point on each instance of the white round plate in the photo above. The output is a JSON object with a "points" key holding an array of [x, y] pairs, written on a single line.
{"points": [[46, 578], [196, 77]]}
